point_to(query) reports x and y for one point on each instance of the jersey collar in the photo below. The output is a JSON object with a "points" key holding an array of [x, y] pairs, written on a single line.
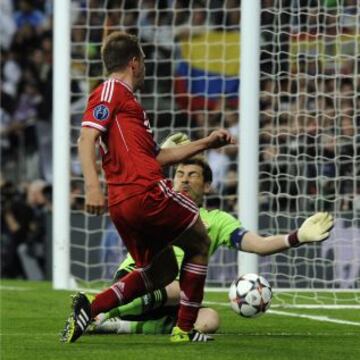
{"points": [[123, 83]]}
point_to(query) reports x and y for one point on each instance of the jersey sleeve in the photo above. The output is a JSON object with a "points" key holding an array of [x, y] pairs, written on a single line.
{"points": [[229, 232], [100, 110]]}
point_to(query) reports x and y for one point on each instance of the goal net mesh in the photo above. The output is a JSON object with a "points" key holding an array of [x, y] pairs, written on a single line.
{"points": [[309, 121], [309, 141]]}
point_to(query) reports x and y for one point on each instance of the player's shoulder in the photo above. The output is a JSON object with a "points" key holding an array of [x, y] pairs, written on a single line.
{"points": [[110, 90], [216, 214], [209, 216], [212, 212]]}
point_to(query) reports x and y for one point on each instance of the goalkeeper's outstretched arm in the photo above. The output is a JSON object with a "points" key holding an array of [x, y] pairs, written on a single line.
{"points": [[182, 151], [315, 228]]}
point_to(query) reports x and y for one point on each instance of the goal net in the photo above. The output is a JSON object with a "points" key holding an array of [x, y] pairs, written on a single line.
{"points": [[309, 157], [309, 141]]}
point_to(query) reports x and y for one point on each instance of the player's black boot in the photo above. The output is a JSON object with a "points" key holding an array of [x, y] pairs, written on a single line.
{"points": [[79, 320]]}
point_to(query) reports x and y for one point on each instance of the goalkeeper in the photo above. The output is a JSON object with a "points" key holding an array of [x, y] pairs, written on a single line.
{"points": [[155, 313]]}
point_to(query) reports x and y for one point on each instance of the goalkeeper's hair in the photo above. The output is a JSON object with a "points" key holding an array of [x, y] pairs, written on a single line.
{"points": [[118, 49], [200, 161]]}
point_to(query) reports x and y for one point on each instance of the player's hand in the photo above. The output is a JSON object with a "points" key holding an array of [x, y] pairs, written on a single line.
{"points": [[174, 140], [316, 227], [219, 138], [95, 201]]}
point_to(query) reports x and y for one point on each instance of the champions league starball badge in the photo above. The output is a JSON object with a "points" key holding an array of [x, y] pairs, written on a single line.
{"points": [[101, 112]]}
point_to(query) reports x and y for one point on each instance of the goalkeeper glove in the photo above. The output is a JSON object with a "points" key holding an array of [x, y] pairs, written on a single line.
{"points": [[174, 140], [314, 229]]}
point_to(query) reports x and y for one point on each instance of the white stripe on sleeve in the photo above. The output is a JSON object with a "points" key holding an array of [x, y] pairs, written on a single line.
{"points": [[94, 125]]}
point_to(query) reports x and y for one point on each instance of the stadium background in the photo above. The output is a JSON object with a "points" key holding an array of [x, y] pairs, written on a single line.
{"points": [[309, 124]]}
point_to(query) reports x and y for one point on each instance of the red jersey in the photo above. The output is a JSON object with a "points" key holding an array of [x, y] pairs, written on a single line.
{"points": [[127, 146]]}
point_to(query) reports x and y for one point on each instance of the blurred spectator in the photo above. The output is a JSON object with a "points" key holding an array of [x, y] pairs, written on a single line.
{"points": [[230, 191], [28, 15], [232, 15], [23, 230], [7, 24], [219, 163], [26, 91], [11, 74]]}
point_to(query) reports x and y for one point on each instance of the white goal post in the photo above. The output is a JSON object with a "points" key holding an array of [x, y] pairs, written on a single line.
{"points": [[61, 146], [249, 129]]}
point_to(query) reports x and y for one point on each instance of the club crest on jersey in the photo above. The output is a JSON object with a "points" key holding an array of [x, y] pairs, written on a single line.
{"points": [[101, 112]]}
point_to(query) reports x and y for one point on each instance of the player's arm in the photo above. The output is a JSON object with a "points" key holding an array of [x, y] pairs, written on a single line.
{"points": [[94, 197], [316, 228], [173, 155], [260, 245]]}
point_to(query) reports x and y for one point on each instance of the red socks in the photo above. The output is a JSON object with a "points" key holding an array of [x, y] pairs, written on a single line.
{"points": [[125, 290], [192, 281]]}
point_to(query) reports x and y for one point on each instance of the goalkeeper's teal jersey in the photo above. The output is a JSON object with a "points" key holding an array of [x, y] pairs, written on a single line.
{"points": [[220, 226]]}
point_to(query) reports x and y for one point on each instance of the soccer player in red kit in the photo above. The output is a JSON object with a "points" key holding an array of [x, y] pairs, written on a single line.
{"points": [[148, 214]]}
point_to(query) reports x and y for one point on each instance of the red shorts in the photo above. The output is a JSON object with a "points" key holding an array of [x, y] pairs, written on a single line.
{"points": [[148, 222]]}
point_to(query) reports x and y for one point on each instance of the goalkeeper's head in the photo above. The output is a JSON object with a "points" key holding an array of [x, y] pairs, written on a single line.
{"points": [[193, 177], [122, 54]]}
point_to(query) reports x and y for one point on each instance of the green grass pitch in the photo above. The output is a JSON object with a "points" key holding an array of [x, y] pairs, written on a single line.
{"points": [[32, 315]]}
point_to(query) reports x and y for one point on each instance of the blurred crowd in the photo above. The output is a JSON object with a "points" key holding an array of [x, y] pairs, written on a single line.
{"points": [[25, 128], [309, 101], [310, 111]]}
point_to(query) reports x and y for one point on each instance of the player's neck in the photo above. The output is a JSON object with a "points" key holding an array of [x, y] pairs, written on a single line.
{"points": [[123, 77]]}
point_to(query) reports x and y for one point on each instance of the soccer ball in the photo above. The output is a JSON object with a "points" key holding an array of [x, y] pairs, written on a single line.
{"points": [[250, 295]]}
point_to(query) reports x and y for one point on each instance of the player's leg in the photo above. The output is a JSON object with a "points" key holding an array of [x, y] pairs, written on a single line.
{"points": [[133, 285], [138, 307], [179, 222], [146, 304], [138, 282], [195, 243], [168, 296]]}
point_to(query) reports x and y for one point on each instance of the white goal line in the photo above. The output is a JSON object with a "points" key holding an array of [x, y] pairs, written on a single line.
{"points": [[304, 316], [298, 306], [294, 291], [315, 317]]}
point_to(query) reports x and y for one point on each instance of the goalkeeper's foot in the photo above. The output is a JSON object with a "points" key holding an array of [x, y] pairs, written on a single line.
{"points": [[79, 320], [179, 336], [109, 326]]}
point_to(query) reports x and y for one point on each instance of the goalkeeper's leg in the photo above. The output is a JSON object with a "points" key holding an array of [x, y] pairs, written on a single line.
{"points": [[207, 322], [162, 325], [168, 296], [138, 306]]}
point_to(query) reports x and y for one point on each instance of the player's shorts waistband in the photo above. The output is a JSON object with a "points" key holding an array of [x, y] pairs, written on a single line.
{"points": [[140, 190]]}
